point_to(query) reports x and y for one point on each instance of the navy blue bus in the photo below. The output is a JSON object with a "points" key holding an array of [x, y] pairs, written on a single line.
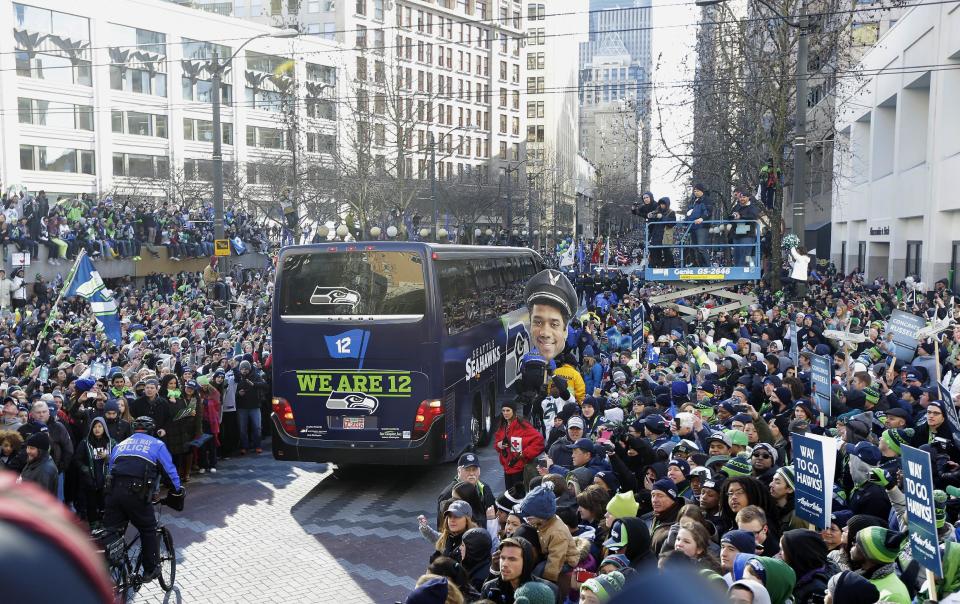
{"points": [[394, 352]]}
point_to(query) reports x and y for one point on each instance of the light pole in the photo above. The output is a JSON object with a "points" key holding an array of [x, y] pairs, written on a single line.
{"points": [[216, 74], [802, 25]]}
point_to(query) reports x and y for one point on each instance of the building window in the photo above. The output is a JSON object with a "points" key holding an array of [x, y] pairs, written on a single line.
{"points": [[202, 169], [535, 85], [139, 81], [843, 257], [862, 256], [535, 134], [56, 159], [138, 124], [536, 60], [53, 114], [265, 138], [534, 108], [378, 10], [54, 68], [323, 109], [914, 249], [361, 7], [62, 54], [200, 91], [140, 166], [202, 131], [536, 36]]}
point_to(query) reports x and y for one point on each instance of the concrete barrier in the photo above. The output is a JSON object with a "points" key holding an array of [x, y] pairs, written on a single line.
{"points": [[126, 267]]}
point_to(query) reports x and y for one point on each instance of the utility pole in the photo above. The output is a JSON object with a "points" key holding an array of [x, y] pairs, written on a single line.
{"points": [[800, 137], [219, 228], [433, 184], [509, 209]]}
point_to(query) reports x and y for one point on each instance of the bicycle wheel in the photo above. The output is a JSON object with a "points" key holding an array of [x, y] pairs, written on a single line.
{"points": [[119, 578], [168, 559]]}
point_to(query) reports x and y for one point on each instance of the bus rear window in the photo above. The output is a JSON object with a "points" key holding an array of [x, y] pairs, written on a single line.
{"points": [[352, 283]]}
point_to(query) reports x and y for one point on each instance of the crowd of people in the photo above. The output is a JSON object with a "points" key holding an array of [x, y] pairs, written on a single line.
{"points": [[677, 454], [71, 396], [107, 228]]}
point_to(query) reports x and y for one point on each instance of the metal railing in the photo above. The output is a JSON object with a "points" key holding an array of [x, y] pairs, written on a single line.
{"points": [[731, 250]]}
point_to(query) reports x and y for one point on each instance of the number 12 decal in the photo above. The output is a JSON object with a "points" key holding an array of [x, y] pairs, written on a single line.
{"points": [[343, 345]]}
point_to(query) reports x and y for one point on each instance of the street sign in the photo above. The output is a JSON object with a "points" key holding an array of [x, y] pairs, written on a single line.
{"points": [[221, 247], [814, 463], [905, 328], [821, 376], [921, 516]]}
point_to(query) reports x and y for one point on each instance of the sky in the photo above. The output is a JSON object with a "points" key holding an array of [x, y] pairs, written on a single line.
{"points": [[674, 38]]}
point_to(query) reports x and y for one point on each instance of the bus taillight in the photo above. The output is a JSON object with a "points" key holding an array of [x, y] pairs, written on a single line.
{"points": [[428, 411], [283, 410]]}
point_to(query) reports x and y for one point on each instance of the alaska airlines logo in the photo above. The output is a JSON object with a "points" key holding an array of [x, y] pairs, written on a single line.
{"points": [[334, 295], [354, 401]]}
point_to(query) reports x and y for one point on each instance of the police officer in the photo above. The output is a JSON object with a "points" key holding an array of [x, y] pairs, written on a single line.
{"points": [[552, 302], [135, 465]]}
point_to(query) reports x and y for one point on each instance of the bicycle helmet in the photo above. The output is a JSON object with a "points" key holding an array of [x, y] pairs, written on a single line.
{"points": [[144, 423]]}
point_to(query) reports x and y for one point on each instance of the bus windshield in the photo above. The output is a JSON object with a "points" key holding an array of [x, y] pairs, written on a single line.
{"points": [[348, 283]]}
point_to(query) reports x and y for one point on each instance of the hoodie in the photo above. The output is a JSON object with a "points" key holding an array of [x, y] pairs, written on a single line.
{"points": [[500, 591], [780, 579], [477, 542], [760, 595], [92, 455], [807, 555], [637, 549]]}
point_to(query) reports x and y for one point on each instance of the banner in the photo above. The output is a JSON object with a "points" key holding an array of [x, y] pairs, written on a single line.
{"points": [[636, 323], [921, 518], [904, 326], [814, 464], [821, 378]]}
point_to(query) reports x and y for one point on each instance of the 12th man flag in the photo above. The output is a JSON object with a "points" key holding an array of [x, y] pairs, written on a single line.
{"points": [[88, 284]]}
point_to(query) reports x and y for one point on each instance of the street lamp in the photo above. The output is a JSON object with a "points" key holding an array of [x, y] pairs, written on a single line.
{"points": [[216, 74], [802, 25]]}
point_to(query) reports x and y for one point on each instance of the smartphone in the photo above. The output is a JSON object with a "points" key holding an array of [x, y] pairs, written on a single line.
{"points": [[606, 434], [582, 575]]}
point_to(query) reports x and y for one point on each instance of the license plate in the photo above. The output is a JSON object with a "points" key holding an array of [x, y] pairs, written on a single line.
{"points": [[353, 423]]}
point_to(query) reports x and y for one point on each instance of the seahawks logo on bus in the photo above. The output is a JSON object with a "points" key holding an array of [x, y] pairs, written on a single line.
{"points": [[334, 295], [353, 401], [518, 344]]}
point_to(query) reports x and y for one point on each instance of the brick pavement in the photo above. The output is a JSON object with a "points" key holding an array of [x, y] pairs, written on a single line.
{"points": [[261, 530]]}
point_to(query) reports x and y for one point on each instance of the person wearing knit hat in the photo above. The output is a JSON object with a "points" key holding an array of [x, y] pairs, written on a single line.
{"points": [[613, 562], [874, 552], [607, 480], [40, 468], [763, 460], [737, 466], [594, 591], [718, 443], [944, 529], [871, 398], [621, 505], [539, 509], [735, 542], [848, 587], [533, 592], [776, 575], [893, 439], [431, 589]]}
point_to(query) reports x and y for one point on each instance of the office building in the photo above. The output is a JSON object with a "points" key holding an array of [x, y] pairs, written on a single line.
{"points": [[895, 211]]}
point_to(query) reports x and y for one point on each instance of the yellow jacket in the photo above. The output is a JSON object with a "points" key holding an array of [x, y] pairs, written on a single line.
{"points": [[574, 381]]}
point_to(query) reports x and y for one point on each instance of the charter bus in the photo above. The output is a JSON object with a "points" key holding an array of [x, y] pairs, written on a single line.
{"points": [[395, 352]]}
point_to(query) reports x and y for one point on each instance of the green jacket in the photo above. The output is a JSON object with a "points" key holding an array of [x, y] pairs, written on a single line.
{"points": [[890, 586]]}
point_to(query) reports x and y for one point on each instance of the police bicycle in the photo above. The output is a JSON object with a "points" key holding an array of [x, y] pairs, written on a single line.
{"points": [[125, 558]]}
